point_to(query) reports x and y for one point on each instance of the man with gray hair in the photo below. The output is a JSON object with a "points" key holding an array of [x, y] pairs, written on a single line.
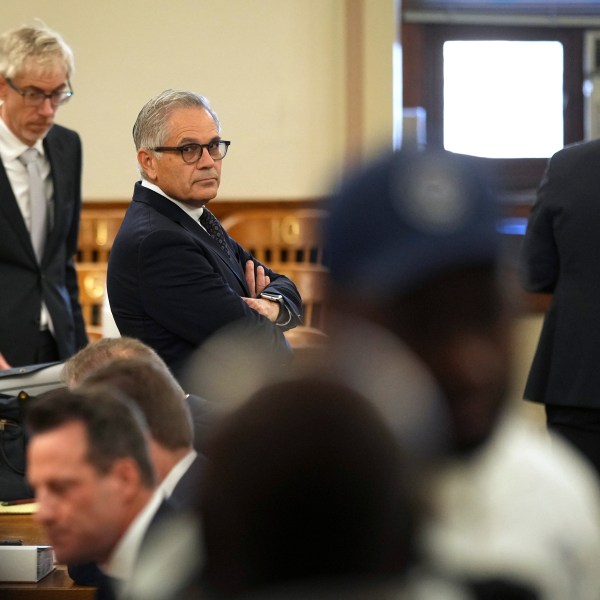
{"points": [[174, 275], [40, 187], [106, 350]]}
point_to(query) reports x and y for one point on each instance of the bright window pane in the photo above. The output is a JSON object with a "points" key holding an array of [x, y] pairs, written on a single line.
{"points": [[503, 99]]}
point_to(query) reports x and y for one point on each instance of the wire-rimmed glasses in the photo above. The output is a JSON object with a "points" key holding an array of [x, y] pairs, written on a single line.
{"points": [[37, 97]]}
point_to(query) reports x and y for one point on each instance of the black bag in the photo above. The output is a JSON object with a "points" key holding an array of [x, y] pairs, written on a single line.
{"points": [[13, 448]]}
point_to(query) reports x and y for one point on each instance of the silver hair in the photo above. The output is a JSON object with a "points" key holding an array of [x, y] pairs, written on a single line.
{"points": [[36, 46], [151, 128]]}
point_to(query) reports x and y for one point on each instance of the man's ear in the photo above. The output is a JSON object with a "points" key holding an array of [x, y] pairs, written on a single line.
{"points": [[126, 476], [3, 88], [147, 161]]}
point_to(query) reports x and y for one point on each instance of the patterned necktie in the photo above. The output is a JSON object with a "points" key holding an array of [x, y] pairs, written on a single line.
{"points": [[215, 230], [37, 201]]}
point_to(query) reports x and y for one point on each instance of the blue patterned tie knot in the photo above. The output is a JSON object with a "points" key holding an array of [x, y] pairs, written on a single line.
{"points": [[215, 230]]}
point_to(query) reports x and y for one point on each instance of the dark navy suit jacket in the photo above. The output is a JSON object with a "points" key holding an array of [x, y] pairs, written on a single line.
{"points": [[90, 574], [171, 286], [561, 255], [203, 415], [24, 282], [186, 491]]}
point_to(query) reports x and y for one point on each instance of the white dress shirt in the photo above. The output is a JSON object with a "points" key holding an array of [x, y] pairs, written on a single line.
{"points": [[122, 561], [168, 484], [194, 212]]}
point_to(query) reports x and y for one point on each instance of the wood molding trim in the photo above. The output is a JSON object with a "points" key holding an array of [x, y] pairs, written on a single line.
{"points": [[220, 208], [354, 78]]}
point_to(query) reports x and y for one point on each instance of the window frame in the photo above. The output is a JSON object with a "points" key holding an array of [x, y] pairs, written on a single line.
{"points": [[515, 173]]}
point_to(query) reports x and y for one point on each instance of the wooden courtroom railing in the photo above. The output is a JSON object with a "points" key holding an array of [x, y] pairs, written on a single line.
{"points": [[100, 221], [279, 235], [97, 231], [91, 277]]}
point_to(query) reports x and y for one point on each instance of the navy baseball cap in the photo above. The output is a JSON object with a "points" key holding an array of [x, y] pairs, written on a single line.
{"points": [[407, 217]]}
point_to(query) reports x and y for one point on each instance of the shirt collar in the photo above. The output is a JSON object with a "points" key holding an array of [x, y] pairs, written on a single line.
{"points": [[11, 147], [123, 558], [195, 213], [176, 473]]}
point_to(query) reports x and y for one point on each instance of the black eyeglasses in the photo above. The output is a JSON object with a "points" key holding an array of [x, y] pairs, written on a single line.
{"points": [[192, 153], [37, 97]]}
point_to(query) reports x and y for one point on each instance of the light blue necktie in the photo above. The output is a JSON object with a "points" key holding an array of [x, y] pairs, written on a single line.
{"points": [[38, 206]]}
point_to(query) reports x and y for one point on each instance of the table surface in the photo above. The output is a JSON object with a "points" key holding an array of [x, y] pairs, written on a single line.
{"points": [[57, 585]]}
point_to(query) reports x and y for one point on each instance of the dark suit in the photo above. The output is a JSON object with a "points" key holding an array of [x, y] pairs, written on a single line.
{"points": [[186, 491], [171, 286], [203, 415], [561, 256], [24, 282], [90, 574]]}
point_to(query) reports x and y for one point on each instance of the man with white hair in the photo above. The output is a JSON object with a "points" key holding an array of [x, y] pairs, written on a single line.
{"points": [[40, 187]]}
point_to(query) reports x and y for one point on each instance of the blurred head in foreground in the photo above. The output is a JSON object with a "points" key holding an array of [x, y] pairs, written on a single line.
{"points": [[305, 484], [158, 395], [104, 350], [413, 246]]}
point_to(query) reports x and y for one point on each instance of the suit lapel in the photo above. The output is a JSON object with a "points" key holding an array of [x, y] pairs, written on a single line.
{"points": [[170, 210], [56, 157], [12, 213]]}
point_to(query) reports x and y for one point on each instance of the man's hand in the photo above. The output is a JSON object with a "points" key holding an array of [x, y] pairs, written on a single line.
{"points": [[3, 364], [267, 308], [257, 281]]}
